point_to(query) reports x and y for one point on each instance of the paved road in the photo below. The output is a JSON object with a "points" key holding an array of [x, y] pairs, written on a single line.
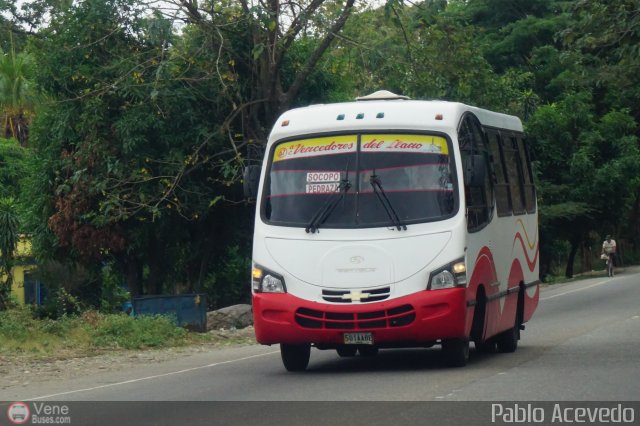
{"points": [[582, 344]]}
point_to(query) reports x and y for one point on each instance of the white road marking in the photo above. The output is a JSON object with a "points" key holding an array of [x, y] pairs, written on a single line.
{"points": [[141, 379], [576, 290]]}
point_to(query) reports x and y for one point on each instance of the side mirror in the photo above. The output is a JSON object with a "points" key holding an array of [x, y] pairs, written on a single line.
{"points": [[475, 170], [251, 181]]}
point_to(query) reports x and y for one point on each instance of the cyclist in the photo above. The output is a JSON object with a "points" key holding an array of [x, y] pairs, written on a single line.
{"points": [[609, 249]]}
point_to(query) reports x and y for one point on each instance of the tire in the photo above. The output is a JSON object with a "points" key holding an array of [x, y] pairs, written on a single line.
{"points": [[456, 352], [347, 351], [507, 341], [368, 351], [295, 357], [477, 326]]}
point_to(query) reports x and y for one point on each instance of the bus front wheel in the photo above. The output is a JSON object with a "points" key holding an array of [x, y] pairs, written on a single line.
{"points": [[295, 357], [456, 352]]}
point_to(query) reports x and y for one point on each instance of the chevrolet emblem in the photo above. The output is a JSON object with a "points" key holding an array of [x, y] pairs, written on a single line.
{"points": [[355, 296]]}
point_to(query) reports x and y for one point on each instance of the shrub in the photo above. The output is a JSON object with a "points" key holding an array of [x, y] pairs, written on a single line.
{"points": [[15, 323], [59, 304], [123, 331], [60, 327], [113, 294]]}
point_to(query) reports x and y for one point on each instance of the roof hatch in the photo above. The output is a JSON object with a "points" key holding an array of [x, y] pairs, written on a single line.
{"points": [[381, 95]]}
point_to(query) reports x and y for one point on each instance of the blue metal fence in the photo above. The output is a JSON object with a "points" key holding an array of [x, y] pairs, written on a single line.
{"points": [[189, 310]]}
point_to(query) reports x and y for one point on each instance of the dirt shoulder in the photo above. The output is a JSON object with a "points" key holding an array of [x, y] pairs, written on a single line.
{"points": [[23, 369]]}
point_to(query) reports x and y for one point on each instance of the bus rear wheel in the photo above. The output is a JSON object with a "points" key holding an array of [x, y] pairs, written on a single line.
{"points": [[295, 357], [456, 352], [508, 340]]}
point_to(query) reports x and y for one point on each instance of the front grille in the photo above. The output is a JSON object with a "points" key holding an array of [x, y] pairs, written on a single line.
{"points": [[364, 296], [388, 318]]}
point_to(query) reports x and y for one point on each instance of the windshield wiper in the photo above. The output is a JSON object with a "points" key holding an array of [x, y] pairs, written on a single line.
{"points": [[375, 182], [329, 206]]}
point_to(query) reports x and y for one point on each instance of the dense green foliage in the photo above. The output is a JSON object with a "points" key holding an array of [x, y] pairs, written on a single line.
{"points": [[9, 228], [132, 167]]}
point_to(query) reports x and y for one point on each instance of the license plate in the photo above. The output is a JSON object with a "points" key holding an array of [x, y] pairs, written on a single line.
{"points": [[358, 339]]}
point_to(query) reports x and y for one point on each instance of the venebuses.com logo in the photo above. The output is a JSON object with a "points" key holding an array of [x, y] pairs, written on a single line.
{"points": [[54, 413], [18, 413]]}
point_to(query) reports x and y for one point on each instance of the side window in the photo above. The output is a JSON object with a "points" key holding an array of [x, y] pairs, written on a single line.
{"points": [[500, 176], [474, 153], [514, 172], [529, 187]]}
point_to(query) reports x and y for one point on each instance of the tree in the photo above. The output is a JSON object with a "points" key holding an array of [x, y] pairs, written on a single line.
{"points": [[509, 32], [139, 149], [427, 50], [17, 96], [608, 34], [8, 245], [114, 143], [606, 37], [13, 168], [587, 168], [555, 133], [12, 171], [142, 145], [248, 45]]}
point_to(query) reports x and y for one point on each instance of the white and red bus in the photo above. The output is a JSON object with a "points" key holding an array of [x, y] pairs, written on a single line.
{"points": [[389, 222]]}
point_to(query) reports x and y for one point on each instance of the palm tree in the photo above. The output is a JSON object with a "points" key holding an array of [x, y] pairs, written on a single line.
{"points": [[17, 97]]}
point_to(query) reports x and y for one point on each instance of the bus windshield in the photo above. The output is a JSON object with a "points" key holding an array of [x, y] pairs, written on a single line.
{"points": [[354, 175]]}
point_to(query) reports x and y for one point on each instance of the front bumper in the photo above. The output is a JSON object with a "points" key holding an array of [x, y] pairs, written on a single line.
{"points": [[414, 320]]}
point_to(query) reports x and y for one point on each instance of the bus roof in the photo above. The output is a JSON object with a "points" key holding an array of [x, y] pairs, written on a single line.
{"points": [[396, 114]]}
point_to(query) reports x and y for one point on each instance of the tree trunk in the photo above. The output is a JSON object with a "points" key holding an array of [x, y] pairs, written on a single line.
{"points": [[587, 256], [572, 256]]}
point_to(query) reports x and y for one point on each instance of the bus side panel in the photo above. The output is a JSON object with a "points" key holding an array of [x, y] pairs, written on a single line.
{"points": [[530, 246], [523, 270], [484, 274], [508, 317]]}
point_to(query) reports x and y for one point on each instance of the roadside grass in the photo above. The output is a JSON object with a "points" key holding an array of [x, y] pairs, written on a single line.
{"points": [[560, 278], [557, 276], [93, 333]]}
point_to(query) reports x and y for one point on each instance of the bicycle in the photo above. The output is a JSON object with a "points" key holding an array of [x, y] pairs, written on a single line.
{"points": [[610, 265]]}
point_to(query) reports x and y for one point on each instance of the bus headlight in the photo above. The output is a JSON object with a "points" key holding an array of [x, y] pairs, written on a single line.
{"points": [[449, 276], [265, 281]]}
